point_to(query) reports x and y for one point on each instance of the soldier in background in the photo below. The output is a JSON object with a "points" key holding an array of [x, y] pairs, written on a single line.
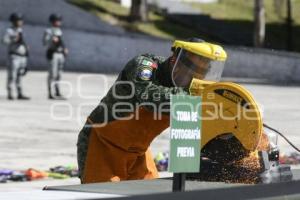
{"points": [[56, 53], [17, 56]]}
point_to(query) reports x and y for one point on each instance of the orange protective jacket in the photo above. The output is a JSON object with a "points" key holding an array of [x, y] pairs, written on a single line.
{"points": [[120, 149]]}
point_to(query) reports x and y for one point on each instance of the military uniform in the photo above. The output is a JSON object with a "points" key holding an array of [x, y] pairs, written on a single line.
{"points": [[56, 56], [144, 82], [17, 56]]}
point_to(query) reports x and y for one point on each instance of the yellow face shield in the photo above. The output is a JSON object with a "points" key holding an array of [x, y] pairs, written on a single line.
{"points": [[189, 65]]}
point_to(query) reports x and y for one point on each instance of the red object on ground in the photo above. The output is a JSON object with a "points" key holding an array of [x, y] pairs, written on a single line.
{"points": [[293, 159], [33, 174]]}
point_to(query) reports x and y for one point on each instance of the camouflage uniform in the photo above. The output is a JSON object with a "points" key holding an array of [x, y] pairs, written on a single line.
{"points": [[56, 57], [146, 79], [18, 54]]}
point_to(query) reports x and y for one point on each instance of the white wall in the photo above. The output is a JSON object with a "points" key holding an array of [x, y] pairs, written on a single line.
{"points": [[127, 3]]}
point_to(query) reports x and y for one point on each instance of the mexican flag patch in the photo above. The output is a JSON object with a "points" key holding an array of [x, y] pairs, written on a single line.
{"points": [[145, 73]]}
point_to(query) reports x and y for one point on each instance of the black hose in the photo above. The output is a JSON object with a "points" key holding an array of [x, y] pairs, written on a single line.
{"points": [[287, 140]]}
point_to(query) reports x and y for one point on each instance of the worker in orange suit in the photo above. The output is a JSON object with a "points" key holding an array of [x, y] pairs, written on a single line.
{"points": [[114, 143]]}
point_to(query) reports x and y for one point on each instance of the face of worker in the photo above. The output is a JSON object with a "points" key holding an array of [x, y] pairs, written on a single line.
{"points": [[19, 23], [57, 23], [188, 66]]}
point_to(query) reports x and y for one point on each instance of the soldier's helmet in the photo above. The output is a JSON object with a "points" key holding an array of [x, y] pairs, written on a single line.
{"points": [[14, 17], [55, 17]]}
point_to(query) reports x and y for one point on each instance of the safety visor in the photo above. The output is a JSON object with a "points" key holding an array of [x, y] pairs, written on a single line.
{"points": [[189, 65]]}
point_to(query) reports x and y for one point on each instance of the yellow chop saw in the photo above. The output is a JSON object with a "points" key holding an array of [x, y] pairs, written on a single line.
{"points": [[234, 145]]}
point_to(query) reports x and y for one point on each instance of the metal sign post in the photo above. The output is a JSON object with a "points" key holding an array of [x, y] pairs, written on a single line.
{"points": [[185, 134], [178, 182]]}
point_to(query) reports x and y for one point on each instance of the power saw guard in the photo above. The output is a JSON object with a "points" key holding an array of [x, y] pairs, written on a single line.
{"points": [[234, 147]]}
